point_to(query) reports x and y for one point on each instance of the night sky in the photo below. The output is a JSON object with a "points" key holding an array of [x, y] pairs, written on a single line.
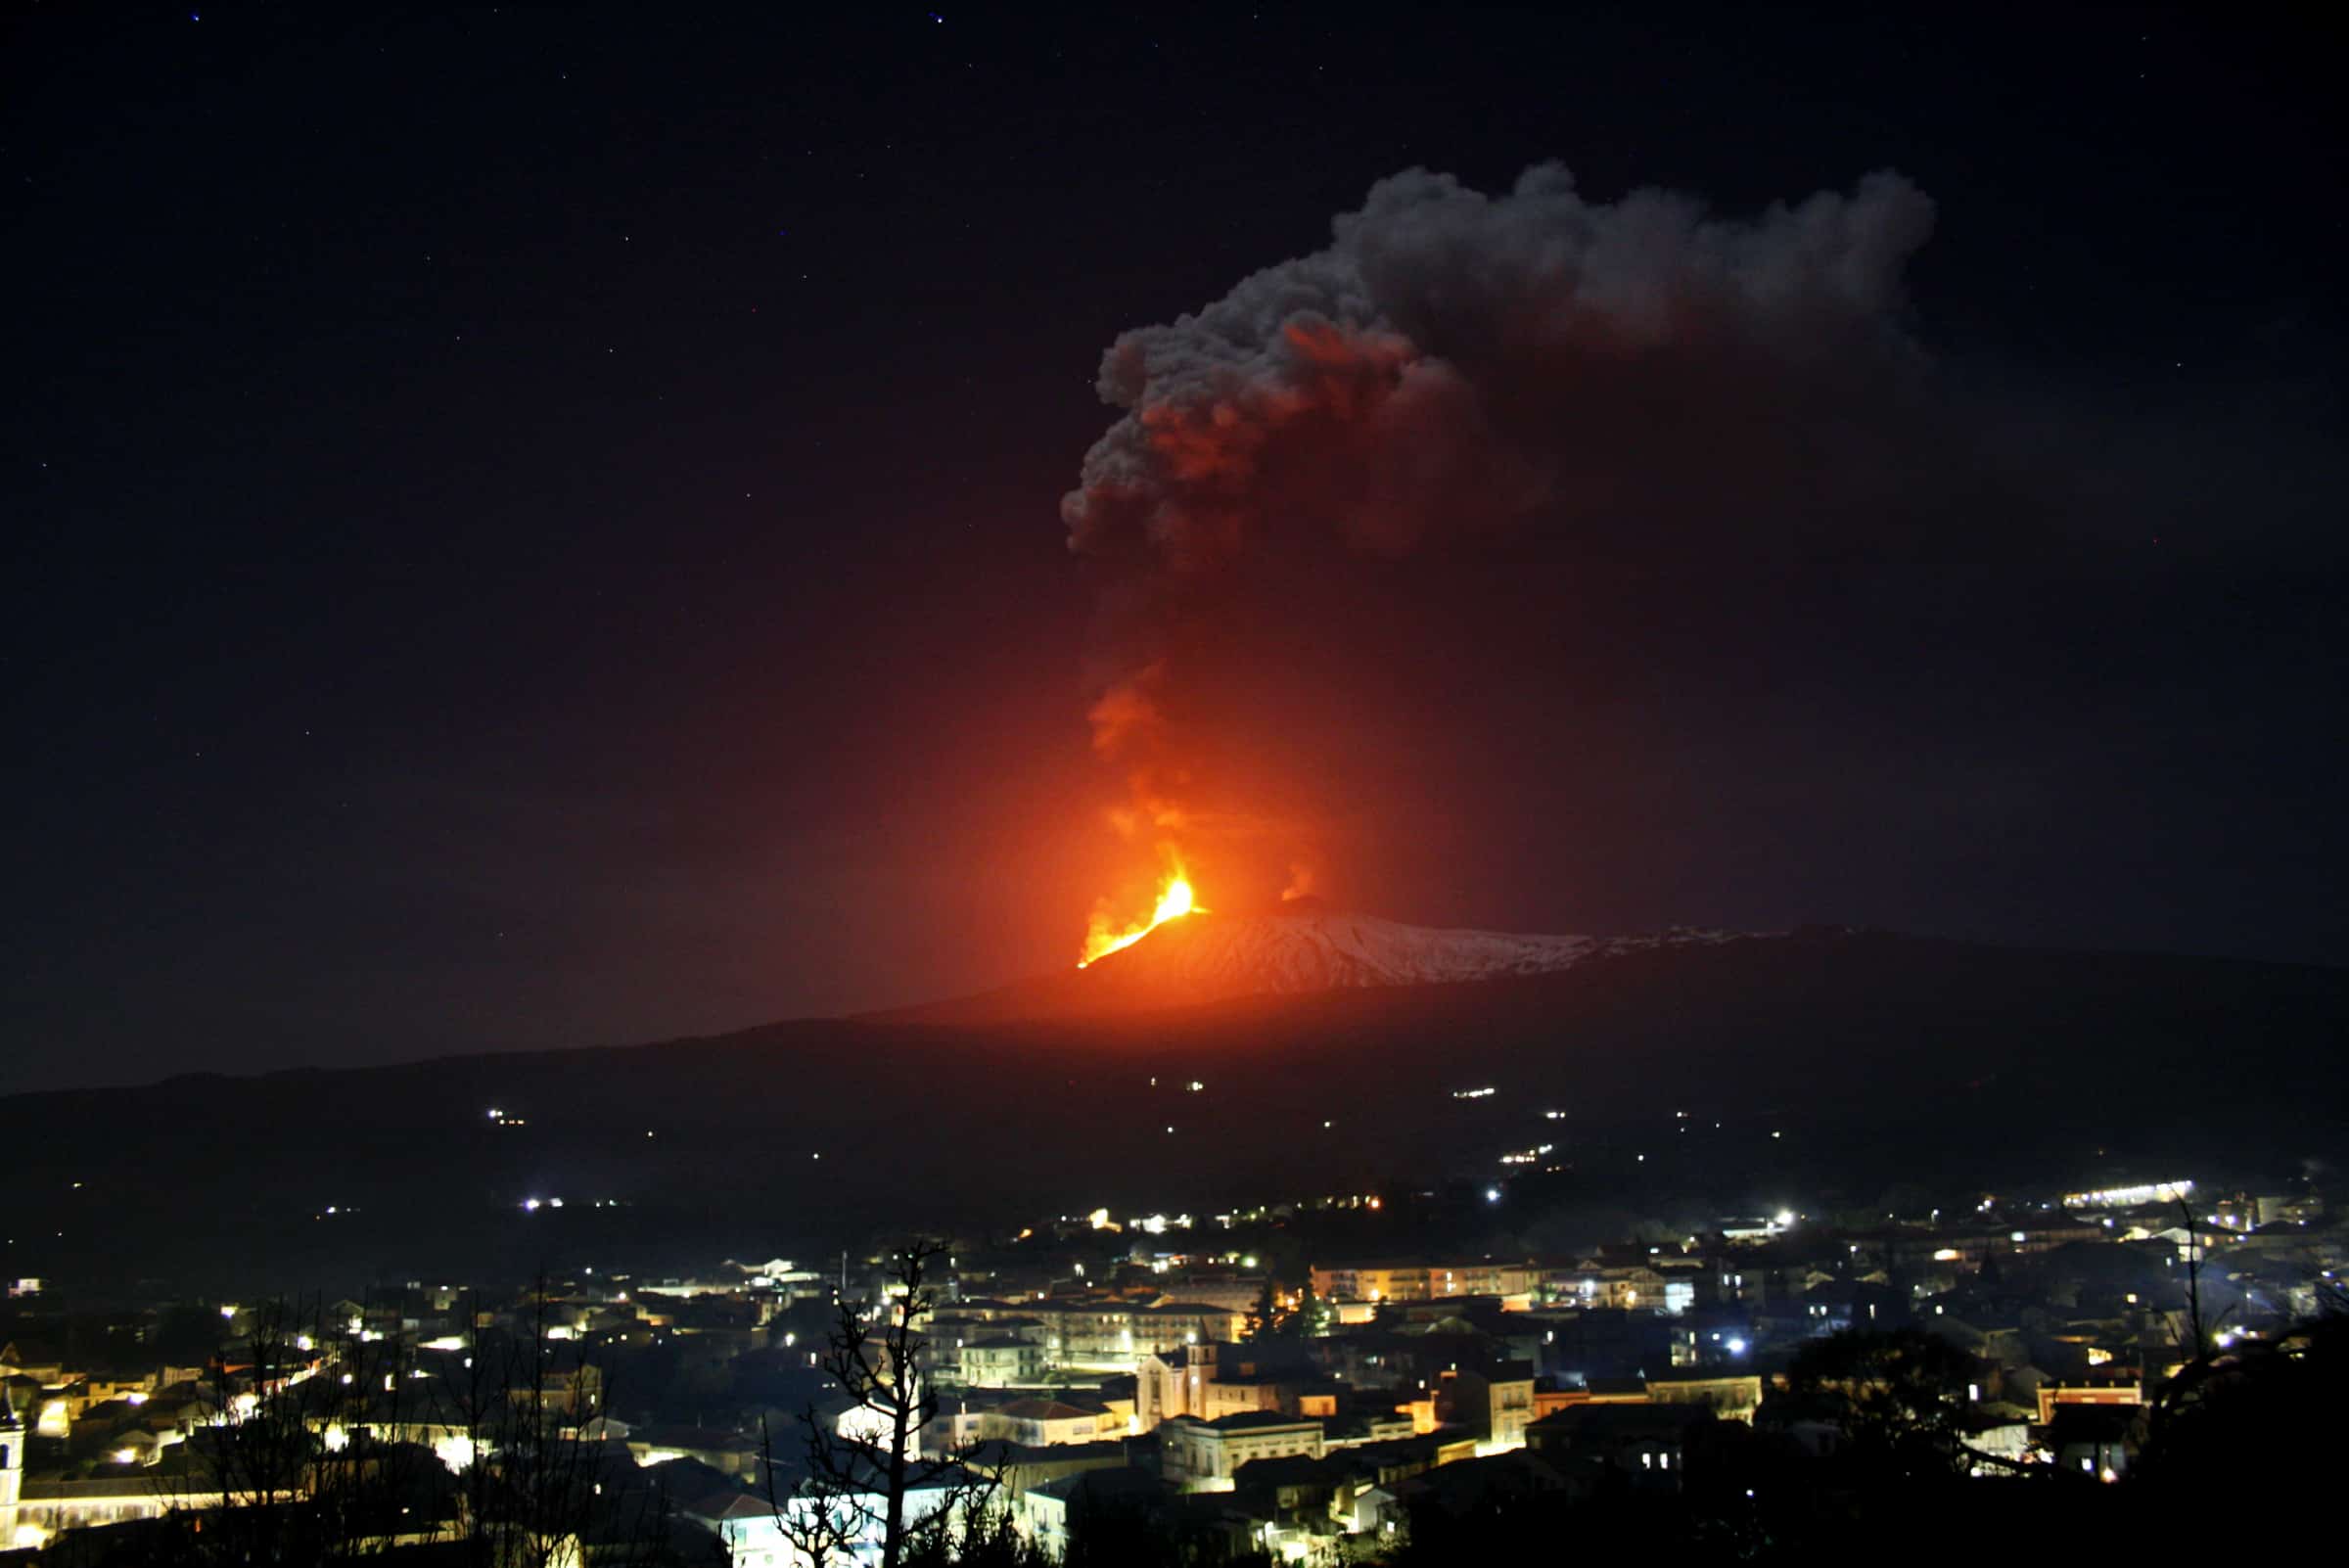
{"points": [[534, 527]]}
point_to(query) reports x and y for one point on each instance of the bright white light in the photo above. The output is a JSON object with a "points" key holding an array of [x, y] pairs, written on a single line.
{"points": [[1491, 1194], [530, 1205], [1785, 1219], [1736, 1347]]}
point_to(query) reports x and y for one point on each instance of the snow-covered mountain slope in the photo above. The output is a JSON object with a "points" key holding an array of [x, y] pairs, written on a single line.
{"points": [[1204, 957], [1296, 948]]}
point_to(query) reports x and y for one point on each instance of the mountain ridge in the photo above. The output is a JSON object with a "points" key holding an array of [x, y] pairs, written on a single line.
{"points": [[1878, 1057]]}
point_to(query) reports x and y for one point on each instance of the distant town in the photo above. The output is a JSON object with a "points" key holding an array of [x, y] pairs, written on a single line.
{"points": [[1267, 1385]]}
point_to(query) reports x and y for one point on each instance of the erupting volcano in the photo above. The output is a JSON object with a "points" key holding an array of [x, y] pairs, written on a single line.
{"points": [[1175, 900], [1188, 957]]}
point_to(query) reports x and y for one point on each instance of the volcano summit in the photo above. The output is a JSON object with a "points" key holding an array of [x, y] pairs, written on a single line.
{"points": [[1302, 944]]}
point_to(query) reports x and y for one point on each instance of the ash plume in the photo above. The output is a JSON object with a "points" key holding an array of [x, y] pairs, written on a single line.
{"points": [[1638, 376], [1453, 361]]}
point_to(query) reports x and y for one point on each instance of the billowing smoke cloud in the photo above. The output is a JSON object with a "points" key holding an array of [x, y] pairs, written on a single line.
{"points": [[1453, 361], [1631, 377]]}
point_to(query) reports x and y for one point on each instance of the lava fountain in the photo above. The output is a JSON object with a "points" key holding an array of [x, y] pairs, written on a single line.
{"points": [[1175, 900]]}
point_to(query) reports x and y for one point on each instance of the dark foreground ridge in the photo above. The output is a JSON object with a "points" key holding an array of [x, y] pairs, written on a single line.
{"points": [[1715, 1068]]}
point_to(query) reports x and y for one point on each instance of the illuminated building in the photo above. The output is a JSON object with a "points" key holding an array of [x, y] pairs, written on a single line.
{"points": [[1496, 1402], [1000, 1360], [1203, 1456], [1113, 1336], [1734, 1398], [1371, 1283], [2130, 1197], [1397, 1281], [1041, 1423], [2114, 1392], [12, 1469], [1209, 1381]]}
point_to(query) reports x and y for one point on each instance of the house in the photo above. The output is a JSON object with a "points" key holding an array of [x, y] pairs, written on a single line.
{"points": [[1589, 1391], [728, 1453], [2094, 1440], [1204, 1456], [755, 1537], [1371, 1281], [572, 1390], [1039, 1423], [1363, 1427], [1000, 1360], [46, 1506], [1494, 1402], [1732, 1397], [25, 1358], [2100, 1391], [1018, 1468], [1042, 1511], [1394, 1281], [1648, 1443], [1293, 1485], [747, 1523]]}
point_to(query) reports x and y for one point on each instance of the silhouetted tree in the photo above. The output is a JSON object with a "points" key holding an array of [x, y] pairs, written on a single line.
{"points": [[1269, 1318], [1317, 1315], [1899, 1396], [861, 1468]]}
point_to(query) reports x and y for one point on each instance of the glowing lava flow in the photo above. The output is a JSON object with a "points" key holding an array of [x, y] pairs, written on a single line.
{"points": [[1173, 902]]}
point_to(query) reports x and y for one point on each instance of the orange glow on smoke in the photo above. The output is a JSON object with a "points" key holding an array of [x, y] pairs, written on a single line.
{"points": [[1175, 900]]}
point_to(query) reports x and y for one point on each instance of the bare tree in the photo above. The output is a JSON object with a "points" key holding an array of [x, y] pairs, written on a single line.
{"points": [[2180, 1391], [821, 1526], [862, 1469], [532, 1485], [250, 1469]]}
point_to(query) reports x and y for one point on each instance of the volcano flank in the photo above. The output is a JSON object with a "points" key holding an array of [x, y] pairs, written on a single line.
{"points": [[1295, 947]]}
